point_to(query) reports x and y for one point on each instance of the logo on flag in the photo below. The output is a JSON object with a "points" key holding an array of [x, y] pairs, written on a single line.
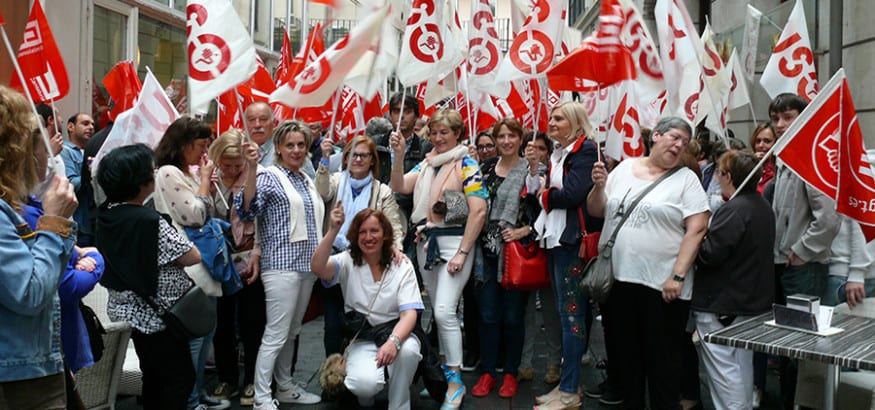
{"points": [[40, 60], [791, 66]]}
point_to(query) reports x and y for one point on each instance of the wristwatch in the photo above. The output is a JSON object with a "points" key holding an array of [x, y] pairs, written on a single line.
{"points": [[677, 278], [396, 341]]}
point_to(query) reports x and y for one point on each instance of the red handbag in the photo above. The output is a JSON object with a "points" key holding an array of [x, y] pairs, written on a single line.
{"points": [[589, 245], [525, 266]]}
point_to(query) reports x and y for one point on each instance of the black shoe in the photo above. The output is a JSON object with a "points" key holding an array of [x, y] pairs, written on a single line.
{"points": [[597, 391], [470, 363], [610, 398]]}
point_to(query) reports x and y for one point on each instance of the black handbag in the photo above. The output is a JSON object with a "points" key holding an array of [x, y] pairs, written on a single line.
{"points": [[193, 315], [95, 331]]}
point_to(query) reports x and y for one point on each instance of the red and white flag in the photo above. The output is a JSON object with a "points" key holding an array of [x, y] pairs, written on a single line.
{"points": [[424, 49], [856, 183], [791, 67], [680, 50], [314, 85], [484, 53], [738, 94], [378, 63], [220, 52], [229, 112], [123, 86], [40, 60], [623, 137], [258, 87], [648, 67], [718, 84], [532, 50], [285, 63], [601, 60], [810, 146], [145, 122], [751, 41]]}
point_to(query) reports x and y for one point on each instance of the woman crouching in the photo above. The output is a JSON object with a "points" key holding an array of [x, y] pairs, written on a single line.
{"points": [[385, 292]]}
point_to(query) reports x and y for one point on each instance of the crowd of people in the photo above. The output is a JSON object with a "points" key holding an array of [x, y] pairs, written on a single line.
{"points": [[382, 223]]}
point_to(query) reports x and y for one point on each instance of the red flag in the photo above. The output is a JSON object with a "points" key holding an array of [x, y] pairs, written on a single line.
{"points": [[258, 87], [123, 86], [2, 22], [810, 146], [602, 58], [286, 58], [41, 60], [229, 112], [335, 4], [856, 183], [306, 55]]}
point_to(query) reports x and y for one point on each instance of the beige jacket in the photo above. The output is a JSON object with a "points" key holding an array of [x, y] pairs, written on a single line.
{"points": [[382, 199]]}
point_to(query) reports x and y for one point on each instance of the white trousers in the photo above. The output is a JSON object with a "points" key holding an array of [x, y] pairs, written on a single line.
{"points": [[444, 291], [729, 369], [286, 295], [365, 380]]}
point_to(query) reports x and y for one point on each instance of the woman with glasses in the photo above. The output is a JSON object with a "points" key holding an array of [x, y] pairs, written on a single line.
{"points": [[288, 214], [360, 188], [484, 147], [652, 260], [734, 278]]}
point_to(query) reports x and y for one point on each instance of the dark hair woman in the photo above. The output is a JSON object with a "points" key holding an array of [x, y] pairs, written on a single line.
{"points": [[145, 256]]}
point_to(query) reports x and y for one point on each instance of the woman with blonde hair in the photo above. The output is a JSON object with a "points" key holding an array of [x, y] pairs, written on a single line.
{"points": [[248, 303], [444, 251], [33, 262], [560, 228]]}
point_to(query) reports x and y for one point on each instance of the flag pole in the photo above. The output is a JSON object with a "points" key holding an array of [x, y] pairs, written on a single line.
{"points": [[243, 115], [54, 115], [334, 106], [401, 111], [42, 128]]}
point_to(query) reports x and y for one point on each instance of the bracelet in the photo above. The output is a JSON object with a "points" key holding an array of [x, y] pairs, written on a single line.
{"points": [[463, 252], [677, 278], [396, 341]]}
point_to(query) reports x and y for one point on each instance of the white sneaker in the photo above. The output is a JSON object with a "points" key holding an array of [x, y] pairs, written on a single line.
{"points": [[271, 405], [296, 394], [757, 398]]}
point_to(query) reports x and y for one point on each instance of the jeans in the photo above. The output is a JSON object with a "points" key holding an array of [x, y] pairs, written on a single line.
{"points": [[444, 290], [809, 279], [501, 322], [835, 290], [365, 380], [199, 348], [286, 296], [565, 269]]}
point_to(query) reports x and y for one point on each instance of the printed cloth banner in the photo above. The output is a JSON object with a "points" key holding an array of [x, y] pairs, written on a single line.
{"points": [[791, 67], [41, 61]]}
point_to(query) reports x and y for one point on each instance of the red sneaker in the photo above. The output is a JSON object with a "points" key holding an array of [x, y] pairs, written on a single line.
{"points": [[484, 386], [508, 387]]}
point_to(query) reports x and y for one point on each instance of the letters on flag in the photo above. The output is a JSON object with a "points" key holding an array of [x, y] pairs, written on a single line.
{"points": [[751, 40], [623, 137], [791, 67], [40, 60], [144, 123], [320, 79], [636, 37], [856, 183], [220, 52], [680, 49], [532, 50]]}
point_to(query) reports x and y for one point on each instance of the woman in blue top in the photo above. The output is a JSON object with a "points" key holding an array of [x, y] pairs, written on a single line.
{"points": [[30, 353]]}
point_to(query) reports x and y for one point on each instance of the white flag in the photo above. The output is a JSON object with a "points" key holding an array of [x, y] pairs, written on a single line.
{"points": [[680, 50], [751, 40], [533, 49], [220, 52], [636, 37], [424, 49], [320, 79], [791, 66], [738, 95], [484, 53], [144, 123], [623, 137]]}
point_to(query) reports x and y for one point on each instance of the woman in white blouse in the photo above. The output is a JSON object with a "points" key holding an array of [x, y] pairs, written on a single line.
{"points": [[182, 190]]}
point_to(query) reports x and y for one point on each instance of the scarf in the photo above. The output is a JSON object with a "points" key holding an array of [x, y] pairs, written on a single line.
{"points": [[552, 224], [243, 231], [506, 204], [427, 192], [127, 236], [352, 203]]}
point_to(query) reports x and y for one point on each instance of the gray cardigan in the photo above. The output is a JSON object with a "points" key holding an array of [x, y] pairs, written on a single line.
{"points": [[805, 219]]}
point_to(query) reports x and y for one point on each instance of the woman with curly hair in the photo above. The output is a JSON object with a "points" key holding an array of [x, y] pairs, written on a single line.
{"points": [[33, 263]]}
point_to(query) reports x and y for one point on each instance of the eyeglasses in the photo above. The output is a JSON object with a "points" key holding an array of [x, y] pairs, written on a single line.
{"points": [[362, 155], [486, 147]]}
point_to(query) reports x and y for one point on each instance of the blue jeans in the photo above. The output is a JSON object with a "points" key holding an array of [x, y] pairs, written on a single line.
{"points": [[499, 306], [808, 279], [199, 350], [573, 306], [835, 290]]}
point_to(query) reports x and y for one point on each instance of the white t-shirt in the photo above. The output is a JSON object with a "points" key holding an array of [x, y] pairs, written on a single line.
{"points": [[647, 245], [400, 292]]}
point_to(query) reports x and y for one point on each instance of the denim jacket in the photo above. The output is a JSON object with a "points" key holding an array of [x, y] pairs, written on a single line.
{"points": [[30, 314]]}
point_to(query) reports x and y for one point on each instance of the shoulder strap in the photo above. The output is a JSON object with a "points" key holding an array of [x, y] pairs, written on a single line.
{"points": [[634, 203]]}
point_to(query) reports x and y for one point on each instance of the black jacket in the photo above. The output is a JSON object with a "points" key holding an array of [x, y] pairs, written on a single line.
{"points": [[735, 270], [576, 184], [418, 148]]}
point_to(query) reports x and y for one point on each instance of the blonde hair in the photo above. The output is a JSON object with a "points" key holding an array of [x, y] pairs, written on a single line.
{"points": [[228, 145], [576, 115], [282, 131], [449, 118], [17, 167], [331, 376]]}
